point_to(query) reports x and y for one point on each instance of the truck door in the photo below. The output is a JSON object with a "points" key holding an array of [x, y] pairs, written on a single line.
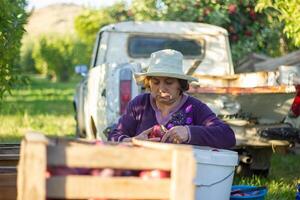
{"points": [[96, 101]]}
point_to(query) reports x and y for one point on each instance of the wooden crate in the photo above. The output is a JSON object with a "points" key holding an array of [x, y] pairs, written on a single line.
{"points": [[38, 152]]}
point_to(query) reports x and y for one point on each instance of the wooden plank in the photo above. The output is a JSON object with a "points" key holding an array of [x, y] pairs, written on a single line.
{"points": [[8, 163], [182, 175], [8, 193], [9, 150], [34, 183], [8, 179], [272, 64], [246, 64], [109, 156], [82, 187], [9, 156], [240, 90], [9, 159], [8, 169], [21, 171]]}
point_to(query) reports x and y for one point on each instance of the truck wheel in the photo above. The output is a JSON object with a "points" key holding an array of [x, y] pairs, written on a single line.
{"points": [[244, 170], [78, 132], [258, 162]]}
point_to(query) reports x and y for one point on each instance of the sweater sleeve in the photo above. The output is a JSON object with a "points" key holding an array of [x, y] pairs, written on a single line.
{"points": [[209, 130], [126, 126]]}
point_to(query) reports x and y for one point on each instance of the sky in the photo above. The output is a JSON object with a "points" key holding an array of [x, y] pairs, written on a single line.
{"points": [[89, 3]]}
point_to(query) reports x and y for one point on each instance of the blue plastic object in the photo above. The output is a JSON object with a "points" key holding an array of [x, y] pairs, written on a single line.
{"points": [[247, 192], [298, 192]]}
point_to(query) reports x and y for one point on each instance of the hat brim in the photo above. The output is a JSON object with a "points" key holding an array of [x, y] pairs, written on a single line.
{"points": [[140, 77]]}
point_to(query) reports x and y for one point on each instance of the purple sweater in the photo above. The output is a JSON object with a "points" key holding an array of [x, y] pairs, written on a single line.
{"points": [[205, 128]]}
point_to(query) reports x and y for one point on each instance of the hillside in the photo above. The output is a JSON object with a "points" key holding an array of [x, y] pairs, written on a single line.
{"points": [[56, 18]]}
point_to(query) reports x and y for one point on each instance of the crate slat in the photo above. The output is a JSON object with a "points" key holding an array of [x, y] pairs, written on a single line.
{"points": [[109, 156], [124, 187], [9, 157], [183, 174], [33, 171]]}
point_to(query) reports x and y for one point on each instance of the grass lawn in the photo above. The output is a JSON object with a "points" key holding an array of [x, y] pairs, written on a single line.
{"points": [[283, 178], [40, 106], [47, 107]]}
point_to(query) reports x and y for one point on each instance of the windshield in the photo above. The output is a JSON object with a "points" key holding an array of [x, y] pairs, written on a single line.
{"points": [[141, 46]]}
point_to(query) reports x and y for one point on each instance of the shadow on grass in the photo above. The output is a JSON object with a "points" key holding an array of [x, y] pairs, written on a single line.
{"points": [[37, 107], [16, 139], [283, 178]]}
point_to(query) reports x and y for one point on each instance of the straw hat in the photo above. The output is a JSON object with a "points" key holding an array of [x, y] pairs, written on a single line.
{"points": [[165, 63]]}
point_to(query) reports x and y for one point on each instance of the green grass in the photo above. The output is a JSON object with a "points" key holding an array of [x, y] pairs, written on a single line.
{"points": [[41, 106], [47, 107], [283, 178]]}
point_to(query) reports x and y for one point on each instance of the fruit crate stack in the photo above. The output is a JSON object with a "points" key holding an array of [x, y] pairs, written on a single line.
{"points": [[9, 156], [60, 168]]}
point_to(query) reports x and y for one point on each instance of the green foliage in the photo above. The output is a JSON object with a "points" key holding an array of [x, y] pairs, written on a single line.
{"points": [[287, 12], [26, 62], [249, 31], [57, 56], [147, 10], [12, 19], [88, 23]]}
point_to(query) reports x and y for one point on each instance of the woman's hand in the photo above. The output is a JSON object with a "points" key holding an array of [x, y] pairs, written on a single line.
{"points": [[177, 135], [145, 136]]}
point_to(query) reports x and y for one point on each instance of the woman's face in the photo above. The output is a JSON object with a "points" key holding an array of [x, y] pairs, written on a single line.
{"points": [[165, 90]]}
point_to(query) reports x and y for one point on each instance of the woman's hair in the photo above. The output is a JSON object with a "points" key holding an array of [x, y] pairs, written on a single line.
{"points": [[184, 85]]}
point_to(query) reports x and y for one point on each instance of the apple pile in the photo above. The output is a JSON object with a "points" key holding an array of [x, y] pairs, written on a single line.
{"points": [[106, 172]]}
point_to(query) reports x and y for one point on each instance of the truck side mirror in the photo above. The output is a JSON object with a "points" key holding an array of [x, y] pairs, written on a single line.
{"points": [[81, 69]]}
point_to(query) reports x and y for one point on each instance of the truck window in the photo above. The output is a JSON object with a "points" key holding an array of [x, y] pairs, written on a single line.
{"points": [[142, 46]]}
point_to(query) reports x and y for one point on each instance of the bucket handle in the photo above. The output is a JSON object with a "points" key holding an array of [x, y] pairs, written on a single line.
{"points": [[219, 181]]}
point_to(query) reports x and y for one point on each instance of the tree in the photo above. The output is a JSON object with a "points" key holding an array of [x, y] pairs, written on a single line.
{"points": [[57, 56], [89, 22], [249, 31], [287, 12], [12, 19]]}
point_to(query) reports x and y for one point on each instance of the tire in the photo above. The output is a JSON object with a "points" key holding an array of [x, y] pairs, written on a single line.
{"points": [[79, 131], [244, 170]]}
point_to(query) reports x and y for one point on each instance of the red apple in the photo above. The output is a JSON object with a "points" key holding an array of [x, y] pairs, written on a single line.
{"points": [[232, 8], [154, 174], [157, 132]]}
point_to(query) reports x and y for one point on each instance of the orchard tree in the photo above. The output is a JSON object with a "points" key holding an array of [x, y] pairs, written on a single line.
{"points": [[12, 19], [57, 56], [249, 31], [288, 12], [89, 22]]}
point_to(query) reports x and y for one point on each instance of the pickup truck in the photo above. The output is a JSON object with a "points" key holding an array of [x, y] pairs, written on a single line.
{"points": [[248, 102]]}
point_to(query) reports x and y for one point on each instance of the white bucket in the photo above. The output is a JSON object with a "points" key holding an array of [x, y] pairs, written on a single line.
{"points": [[215, 171]]}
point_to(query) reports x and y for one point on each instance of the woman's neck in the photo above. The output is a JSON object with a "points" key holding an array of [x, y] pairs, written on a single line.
{"points": [[165, 109]]}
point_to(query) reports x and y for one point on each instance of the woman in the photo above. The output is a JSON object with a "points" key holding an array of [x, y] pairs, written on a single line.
{"points": [[186, 119]]}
